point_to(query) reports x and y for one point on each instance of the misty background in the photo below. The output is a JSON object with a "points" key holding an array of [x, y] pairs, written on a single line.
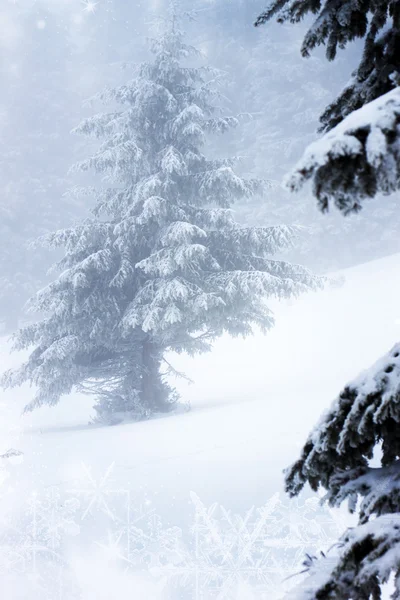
{"points": [[254, 400], [57, 54]]}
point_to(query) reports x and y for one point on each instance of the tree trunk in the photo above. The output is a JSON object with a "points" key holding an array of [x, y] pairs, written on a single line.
{"points": [[151, 383]]}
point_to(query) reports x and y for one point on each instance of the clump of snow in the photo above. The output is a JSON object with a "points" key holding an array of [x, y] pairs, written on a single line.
{"points": [[357, 159]]}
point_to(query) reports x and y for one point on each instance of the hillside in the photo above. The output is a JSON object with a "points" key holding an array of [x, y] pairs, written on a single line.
{"points": [[252, 404]]}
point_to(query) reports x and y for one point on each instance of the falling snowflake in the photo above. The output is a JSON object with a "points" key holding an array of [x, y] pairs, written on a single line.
{"points": [[98, 494], [31, 547], [41, 529], [130, 533], [114, 549], [222, 556], [154, 546], [230, 556], [89, 6], [52, 517], [137, 539]]}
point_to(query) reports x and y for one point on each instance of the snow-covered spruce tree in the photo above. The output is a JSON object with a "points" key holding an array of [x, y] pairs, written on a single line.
{"points": [[337, 23], [357, 159], [162, 265]]}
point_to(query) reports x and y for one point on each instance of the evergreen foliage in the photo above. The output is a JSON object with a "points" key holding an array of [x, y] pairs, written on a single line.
{"points": [[283, 96], [358, 159], [336, 24], [162, 265], [354, 452], [337, 455]]}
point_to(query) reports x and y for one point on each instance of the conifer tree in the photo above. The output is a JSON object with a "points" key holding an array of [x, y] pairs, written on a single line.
{"points": [[356, 160], [285, 95], [354, 451], [336, 24], [162, 266], [363, 422]]}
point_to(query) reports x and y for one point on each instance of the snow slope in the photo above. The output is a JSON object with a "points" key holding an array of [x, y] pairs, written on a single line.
{"points": [[253, 402]]}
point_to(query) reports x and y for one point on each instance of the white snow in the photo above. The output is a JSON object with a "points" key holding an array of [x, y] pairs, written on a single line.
{"points": [[378, 118], [253, 403]]}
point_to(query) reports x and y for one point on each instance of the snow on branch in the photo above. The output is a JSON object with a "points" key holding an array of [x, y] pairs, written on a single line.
{"points": [[366, 413], [357, 159], [367, 557]]}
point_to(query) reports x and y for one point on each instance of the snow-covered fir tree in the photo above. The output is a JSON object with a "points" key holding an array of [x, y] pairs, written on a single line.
{"points": [[162, 266], [354, 451]]}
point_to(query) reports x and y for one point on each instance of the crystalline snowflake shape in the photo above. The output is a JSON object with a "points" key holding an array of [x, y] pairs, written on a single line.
{"points": [[98, 494], [136, 539], [153, 546], [230, 557], [223, 556], [42, 528], [32, 546], [237, 557], [89, 6]]}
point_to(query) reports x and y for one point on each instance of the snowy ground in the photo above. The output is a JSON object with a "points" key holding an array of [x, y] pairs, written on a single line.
{"points": [[113, 515]]}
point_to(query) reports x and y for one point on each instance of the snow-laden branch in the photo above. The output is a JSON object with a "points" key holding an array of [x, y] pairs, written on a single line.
{"points": [[357, 159], [366, 413], [363, 561]]}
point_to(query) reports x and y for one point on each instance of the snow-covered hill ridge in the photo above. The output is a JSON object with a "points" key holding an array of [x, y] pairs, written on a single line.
{"points": [[253, 402]]}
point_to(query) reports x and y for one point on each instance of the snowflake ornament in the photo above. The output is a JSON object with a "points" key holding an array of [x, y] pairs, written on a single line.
{"points": [[257, 555], [235, 557], [97, 494], [32, 547]]}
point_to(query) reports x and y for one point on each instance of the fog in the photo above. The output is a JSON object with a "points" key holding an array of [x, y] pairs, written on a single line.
{"points": [[164, 508], [58, 54]]}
